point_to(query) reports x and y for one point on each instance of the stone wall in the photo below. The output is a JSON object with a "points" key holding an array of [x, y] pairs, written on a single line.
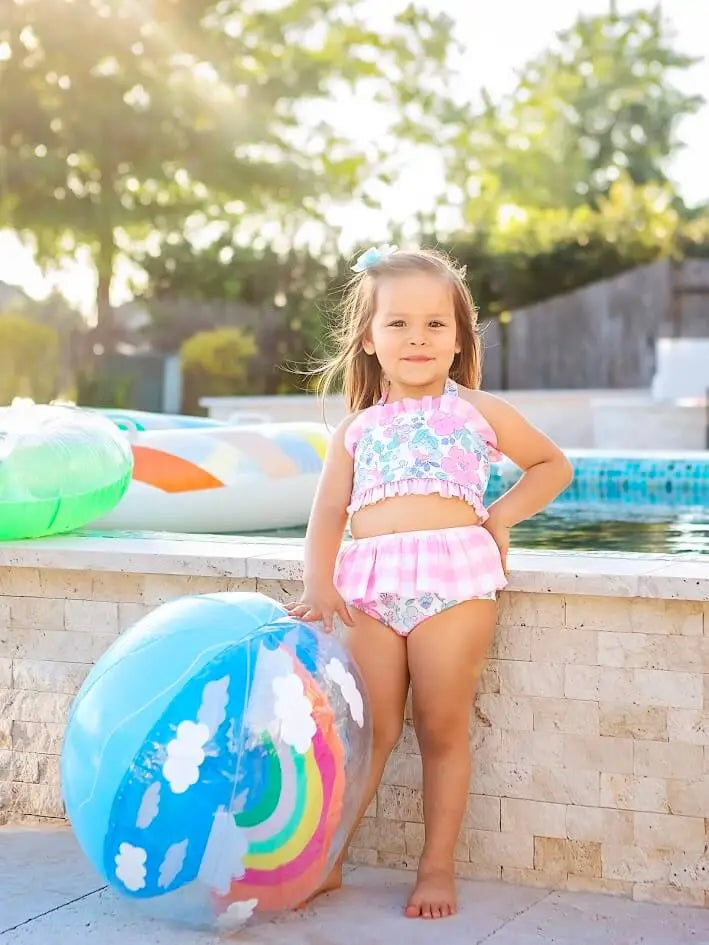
{"points": [[590, 731]]}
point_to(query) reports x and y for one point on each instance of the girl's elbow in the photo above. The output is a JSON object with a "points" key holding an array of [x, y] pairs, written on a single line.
{"points": [[566, 470]]}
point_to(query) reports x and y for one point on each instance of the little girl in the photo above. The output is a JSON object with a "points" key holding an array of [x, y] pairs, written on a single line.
{"points": [[416, 587]]}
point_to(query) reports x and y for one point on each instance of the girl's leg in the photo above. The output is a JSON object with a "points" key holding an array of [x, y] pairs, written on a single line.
{"points": [[380, 655], [446, 654]]}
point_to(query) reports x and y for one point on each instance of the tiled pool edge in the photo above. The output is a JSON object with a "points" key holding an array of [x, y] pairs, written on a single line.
{"points": [[590, 734]]}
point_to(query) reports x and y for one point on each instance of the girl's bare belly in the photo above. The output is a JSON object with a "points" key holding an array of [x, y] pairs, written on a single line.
{"points": [[411, 513]]}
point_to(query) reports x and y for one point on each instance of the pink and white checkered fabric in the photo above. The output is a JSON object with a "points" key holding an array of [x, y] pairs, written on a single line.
{"points": [[457, 563]]}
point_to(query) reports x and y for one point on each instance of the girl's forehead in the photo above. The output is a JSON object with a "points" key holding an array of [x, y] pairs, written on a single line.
{"points": [[414, 292]]}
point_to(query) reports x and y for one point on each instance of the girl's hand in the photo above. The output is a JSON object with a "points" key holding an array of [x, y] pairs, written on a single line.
{"points": [[321, 603], [500, 532]]}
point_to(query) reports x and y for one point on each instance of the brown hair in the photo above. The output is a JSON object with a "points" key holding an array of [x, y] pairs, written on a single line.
{"points": [[360, 373]]}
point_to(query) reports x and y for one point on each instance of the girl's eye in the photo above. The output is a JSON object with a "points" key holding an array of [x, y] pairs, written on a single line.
{"points": [[437, 325], [396, 324]]}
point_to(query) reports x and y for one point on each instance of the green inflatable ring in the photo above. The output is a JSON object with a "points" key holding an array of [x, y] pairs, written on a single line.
{"points": [[60, 468]]}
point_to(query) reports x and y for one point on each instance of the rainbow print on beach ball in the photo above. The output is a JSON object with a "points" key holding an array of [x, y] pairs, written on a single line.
{"points": [[215, 759]]}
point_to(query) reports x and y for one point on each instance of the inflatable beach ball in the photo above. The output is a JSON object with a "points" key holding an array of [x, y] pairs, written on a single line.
{"points": [[215, 759]]}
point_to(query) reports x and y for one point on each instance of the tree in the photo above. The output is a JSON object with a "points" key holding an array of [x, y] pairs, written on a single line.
{"points": [[215, 363], [120, 118], [29, 359], [600, 104]]}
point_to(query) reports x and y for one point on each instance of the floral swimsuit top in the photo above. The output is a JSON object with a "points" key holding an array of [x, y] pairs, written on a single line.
{"points": [[438, 445]]}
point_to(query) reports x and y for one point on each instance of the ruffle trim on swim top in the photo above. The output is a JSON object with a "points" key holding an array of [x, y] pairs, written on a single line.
{"points": [[450, 490]]}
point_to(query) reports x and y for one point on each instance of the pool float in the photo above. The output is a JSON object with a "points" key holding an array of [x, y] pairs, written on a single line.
{"points": [[138, 421], [221, 478], [60, 468], [215, 759]]}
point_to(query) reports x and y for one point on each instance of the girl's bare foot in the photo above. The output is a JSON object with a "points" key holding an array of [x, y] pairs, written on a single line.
{"points": [[433, 896]]}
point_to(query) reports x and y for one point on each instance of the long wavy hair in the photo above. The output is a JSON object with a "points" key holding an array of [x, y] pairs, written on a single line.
{"points": [[359, 374]]}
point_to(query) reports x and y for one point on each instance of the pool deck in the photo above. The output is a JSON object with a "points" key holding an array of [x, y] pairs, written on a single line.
{"points": [[48, 892]]}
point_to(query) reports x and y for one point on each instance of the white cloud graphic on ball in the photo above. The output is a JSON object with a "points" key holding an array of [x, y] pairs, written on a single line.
{"points": [[293, 710], [185, 753], [130, 866], [348, 687], [236, 915]]}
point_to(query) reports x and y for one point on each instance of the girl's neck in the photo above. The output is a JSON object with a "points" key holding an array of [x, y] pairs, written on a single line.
{"points": [[396, 391]]}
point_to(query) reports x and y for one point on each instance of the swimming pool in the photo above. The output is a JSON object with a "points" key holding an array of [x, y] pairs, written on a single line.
{"points": [[638, 503]]}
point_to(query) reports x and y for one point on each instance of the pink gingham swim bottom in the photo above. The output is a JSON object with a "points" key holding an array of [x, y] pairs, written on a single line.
{"points": [[404, 578]]}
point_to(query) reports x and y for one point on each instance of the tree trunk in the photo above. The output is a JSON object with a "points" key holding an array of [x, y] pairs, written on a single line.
{"points": [[104, 267]]}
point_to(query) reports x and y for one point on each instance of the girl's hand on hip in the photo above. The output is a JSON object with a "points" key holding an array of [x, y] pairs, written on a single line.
{"points": [[501, 535], [321, 603]]}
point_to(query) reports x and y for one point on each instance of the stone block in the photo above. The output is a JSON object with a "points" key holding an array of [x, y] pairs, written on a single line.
{"points": [[689, 797], [518, 678], [633, 721], [482, 812], [533, 877], [403, 770], [477, 871], [5, 734], [689, 870], [36, 613], [599, 824], [511, 643], [94, 616], [580, 857], [573, 716], [397, 861], [21, 582], [595, 884], [130, 612], [489, 680], [118, 587], [381, 834], [43, 737], [633, 650], [25, 767], [399, 803], [531, 610], [60, 645], [667, 759], [635, 864], [561, 645], [536, 817], [666, 688], [503, 712], [598, 753], [38, 799], [361, 857], [501, 849], [652, 892], [532, 748], [642, 615], [65, 584], [688, 654], [670, 831], [5, 673], [555, 785], [281, 590], [30, 706], [49, 676], [628, 792]]}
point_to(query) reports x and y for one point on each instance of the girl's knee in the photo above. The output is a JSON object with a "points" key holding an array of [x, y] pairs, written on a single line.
{"points": [[441, 733], [386, 733]]}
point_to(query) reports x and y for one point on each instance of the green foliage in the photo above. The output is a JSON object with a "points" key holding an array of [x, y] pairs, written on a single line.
{"points": [[599, 104], [215, 363], [29, 359], [121, 119]]}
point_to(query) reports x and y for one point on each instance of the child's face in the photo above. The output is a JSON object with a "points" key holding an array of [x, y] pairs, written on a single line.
{"points": [[413, 332]]}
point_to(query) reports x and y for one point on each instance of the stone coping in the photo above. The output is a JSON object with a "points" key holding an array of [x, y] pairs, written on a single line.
{"points": [[606, 575]]}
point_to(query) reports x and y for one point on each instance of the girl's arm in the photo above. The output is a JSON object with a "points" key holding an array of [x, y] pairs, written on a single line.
{"points": [[326, 526], [546, 471]]}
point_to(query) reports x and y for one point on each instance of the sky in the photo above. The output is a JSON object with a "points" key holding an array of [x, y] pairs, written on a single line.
{"points": [[493, 53]]}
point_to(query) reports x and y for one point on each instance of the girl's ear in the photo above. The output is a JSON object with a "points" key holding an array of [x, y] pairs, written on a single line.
{"points": [[367, 345]]}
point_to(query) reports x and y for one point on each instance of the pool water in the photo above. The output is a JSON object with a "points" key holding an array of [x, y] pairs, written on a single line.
{"points": [[604, 528]]}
